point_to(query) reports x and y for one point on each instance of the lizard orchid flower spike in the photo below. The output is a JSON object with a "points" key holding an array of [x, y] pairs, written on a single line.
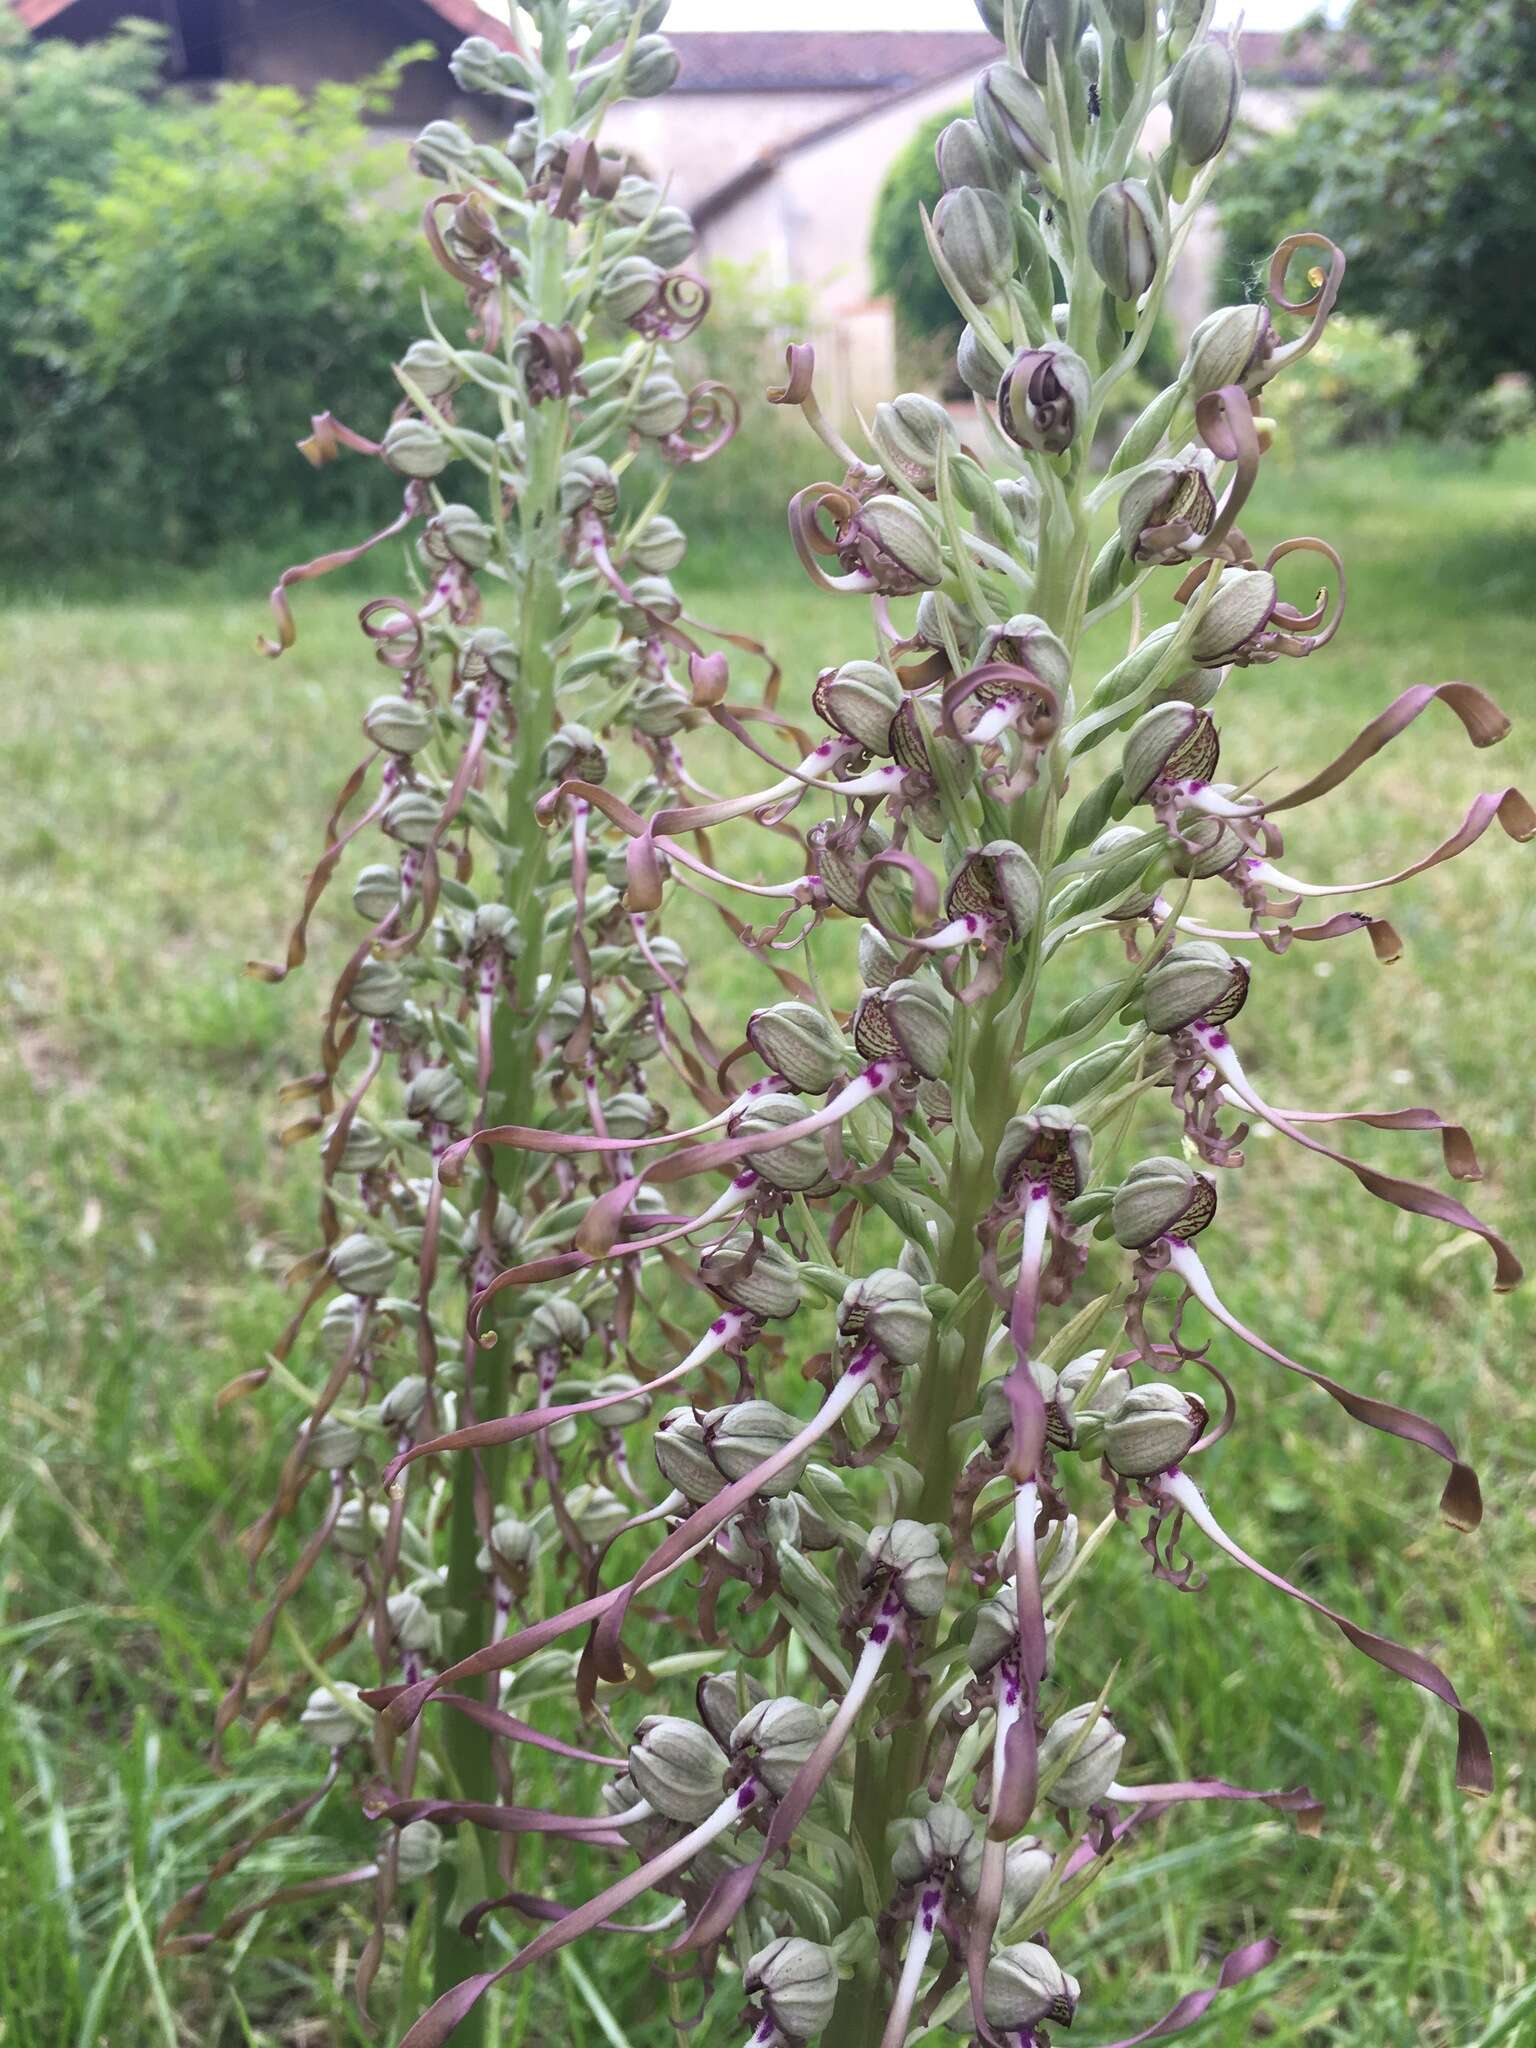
{"points": [[714, 1416]]}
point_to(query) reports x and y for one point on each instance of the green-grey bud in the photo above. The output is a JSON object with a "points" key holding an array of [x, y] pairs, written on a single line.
{"points": [[965, 157], [778, 1736], [442, 149], [765, 1282], [887, 1309], [333, 1445], [376, 892], [412, 1625], [436, 1095], [401, 725], [660, 406], [742, 1436], [362, 1149], [629, 286], [1094, 1764], [879, 961], [1108, 1396], [1026, 1867], [363, 1265], [326, 1718], [1202, 97], [1024, 1985], [1205, 846], [1230, 346], [1047, 1145], [587, 480], [797, 1041], [659, 545], [677, 1767], [1174, 495], [418, 1850], [1042, 396], [413, 817], [1170, 743], [722, 1697], [513, 1543], [678, 1447], [1154, 1429], [1048, 23], [796, 1981], [926, 1846], [897, 546], [1001, 883], [432, 368], [414, 448], [795, 1167], [859, 700], [1013, 117], [908, 432], [1161, 1197], [1125, 238], [1136, 901], [598, 1513], [910, 1556], [402, 1406], [669, 238], [911, 1018], [459, 532], [1233, 621], [652, 68], [975, 231], [1197, 981]]}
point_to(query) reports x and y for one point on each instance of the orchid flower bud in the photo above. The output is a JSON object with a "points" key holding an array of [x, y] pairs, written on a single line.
{"points": [[442, 149], [938, 612], [400, 725], [994, 1630], [996, 1408], [1026, 1868], [669, 237], [574, 751], [1024, 1985], [777, 1737], [1202, 99], [860, 700], [893, 544], [796, 1040], [992, 12], [1013, 117], [1231, 625], [1108, 1396], [436, 1095], [1028, 642], [629, 286], [663, 964], [928, 1845], [1195, 981], [794, 1167], [412, 1625], [1043, 395], [457, 533], [764, 1281], [659, 545], [635, 200], [652, 68], [974, 363], [677, 1767], [333, 1445], [326, 1718], [495, 650], [1048, 1144], [1125, 238], [1094, 1764], [911, 1018], [660, 406], [1164, 510], [1001, 883], [513, 1543], [975, 232], [887, 1309], [879, 962], [558, 1324], [908, 432], [965, 157], [796, 1980], [1161, 1197], [413, 817], [1054, 1549], [740, 1437], [363, 1265], [622, 1413], [1153, 1431], [1205, 846], [1228, 347], [678, 1448], [587, 480], [1170, 743], [1021, 495], [418, 1850], [362, 1149], [432, 368], [1135, 901], [414, 448], [402, 1406], [910, 1556], [1046, 23], [597, 1512], [376, 892], [721, 1698]]}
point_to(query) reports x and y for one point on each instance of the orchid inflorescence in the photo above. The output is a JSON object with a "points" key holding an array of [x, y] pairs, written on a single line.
{"points": [[827, 1658]]}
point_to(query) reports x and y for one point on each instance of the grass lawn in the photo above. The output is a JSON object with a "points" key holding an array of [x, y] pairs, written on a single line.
{"points": [[166, 788]]}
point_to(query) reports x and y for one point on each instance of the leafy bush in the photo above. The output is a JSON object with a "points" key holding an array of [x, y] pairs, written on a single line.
{"points": [[903, 269], [1427, 171], [203, 268]]}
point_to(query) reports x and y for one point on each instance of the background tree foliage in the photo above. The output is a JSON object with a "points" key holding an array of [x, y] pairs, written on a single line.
{"points": [[1421, 164], [182, 283], [903, 269]]}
